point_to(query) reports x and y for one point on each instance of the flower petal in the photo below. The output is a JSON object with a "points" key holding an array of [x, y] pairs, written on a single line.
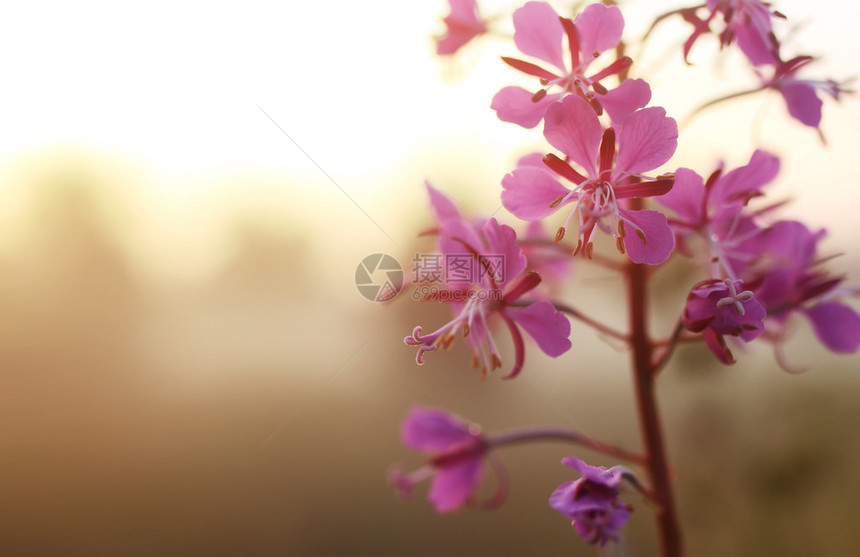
{"points": [[686, 196], [599, 28], [659, 240], [529, 191], [836, 325], [454, 484], [803, 104], [548, 326], [622, 101], [572, 127], [441, 204], [502, 243], [647, 140], [539, 33], [514, 104], [745, 181], [428, 429]]}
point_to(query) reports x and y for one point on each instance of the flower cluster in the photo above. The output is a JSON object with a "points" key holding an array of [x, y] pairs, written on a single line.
{"points": [[606, 164]]}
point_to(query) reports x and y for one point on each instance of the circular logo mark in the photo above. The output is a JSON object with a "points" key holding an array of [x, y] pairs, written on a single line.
{"points": [[379, 277]]}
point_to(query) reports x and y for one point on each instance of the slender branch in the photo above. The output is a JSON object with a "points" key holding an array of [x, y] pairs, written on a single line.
{"points": [[688, 118], [670, 344], [566, 248], [567, 436]]}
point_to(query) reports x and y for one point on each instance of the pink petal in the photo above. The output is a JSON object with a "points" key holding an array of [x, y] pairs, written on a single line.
{"points": [[836, 325], [454, 484], [755, 45], [647, 140], [803, 104], [622, 101], [686, 196], [737, 185], [463, 24], [502, 241], [572, 127], [427, 429], [548, 326], [539, 33], [514, 104], [529, 191], [659, 240], [599, 28], [458, 237], [441, 204]]}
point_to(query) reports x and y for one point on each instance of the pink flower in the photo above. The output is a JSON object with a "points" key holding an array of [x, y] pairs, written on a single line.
{"points": [[457, 451], [494, 289], [716, 210], [462, 25], [592, 502], [748, 23], [539, 33], [604, 180], [801, 95], [784, 261], [721, 307]]}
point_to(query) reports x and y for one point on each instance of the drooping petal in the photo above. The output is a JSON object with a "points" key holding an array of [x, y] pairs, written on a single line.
{"points": [[442, 206], [502, 250], [802, 101], [539, 33], [514, 104], [628, 97], [658, 241], [836, 325], [529, 191], [599, 28], [428, 429], [686, 196], [755, 45], [454, 484], [572, 127], [548, 326], [647, 140]]}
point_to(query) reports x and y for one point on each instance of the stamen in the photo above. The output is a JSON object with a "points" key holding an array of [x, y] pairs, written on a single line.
{"points": [[465, 330], [475, 361], [641, 236], [555, 202], [539, 95], [619, 245], [559, 235], [589, 250], [621, 231], [495, 362], [595, 54], [598, 88], [577, 248]]}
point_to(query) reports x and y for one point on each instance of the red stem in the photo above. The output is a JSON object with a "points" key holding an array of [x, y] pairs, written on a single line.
{"points": [[649, 418]]}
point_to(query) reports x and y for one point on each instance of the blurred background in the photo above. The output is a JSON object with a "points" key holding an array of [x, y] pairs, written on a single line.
{"points": [[186, 366]]}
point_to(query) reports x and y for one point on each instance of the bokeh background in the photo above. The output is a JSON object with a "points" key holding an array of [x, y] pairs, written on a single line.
{"points": [[186, 367]]}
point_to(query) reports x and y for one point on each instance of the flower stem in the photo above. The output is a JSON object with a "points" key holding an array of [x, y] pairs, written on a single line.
{"points": [[649, 418], [564, 435]]}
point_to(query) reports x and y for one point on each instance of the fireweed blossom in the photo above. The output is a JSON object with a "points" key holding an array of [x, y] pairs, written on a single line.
{"points": [[605, 180], [540, 33], [717, 210], [592, 502], [747, 23], [784, 262], [463, 24], [800, 95], [457, 451], [717, 308], [495, 292]]}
